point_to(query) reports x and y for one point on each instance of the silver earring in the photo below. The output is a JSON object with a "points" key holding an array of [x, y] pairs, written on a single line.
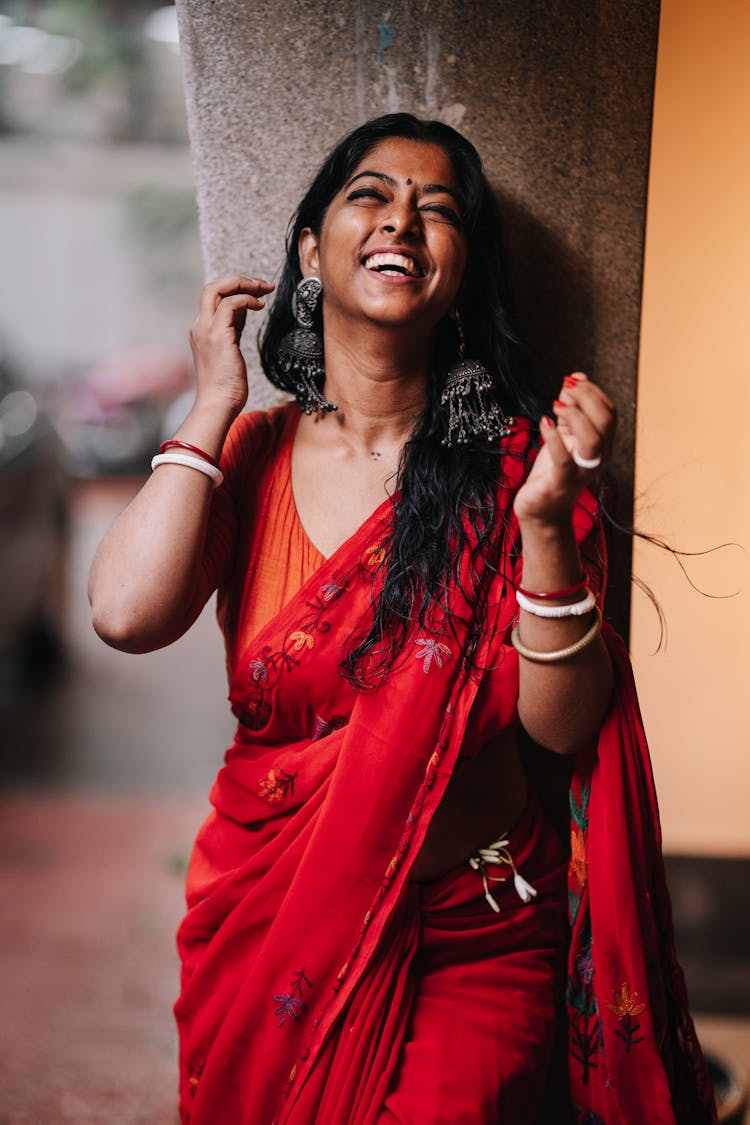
{"points": [[468, 395], [300, 355]]}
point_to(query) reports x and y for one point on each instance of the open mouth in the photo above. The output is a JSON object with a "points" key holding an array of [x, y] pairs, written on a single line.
{"points": [[393, 265]]}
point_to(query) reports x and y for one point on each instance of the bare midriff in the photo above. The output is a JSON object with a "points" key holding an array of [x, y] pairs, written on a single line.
{"points": [[484, 798]]}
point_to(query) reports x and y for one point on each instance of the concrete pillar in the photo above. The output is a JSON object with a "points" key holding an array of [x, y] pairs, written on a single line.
{"points": [[555, 94]]}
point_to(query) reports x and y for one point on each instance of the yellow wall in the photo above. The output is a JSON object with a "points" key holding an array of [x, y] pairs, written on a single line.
{"points": [[693, 428]]}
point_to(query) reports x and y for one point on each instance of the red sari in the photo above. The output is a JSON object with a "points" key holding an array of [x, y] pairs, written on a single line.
{"points": [[305, 943]]}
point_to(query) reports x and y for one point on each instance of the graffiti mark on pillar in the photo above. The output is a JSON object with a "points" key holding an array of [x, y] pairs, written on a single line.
{"points": [[386, 84], [387, 33], [432, 75]]}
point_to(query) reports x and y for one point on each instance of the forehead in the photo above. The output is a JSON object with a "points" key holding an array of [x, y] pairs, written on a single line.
{"points": [[404, 159]]}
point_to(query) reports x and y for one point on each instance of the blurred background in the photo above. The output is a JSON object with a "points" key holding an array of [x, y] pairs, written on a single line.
{"points": [[106, 759]]}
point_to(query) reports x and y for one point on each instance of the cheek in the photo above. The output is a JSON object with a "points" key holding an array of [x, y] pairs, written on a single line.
{"points": [[456, 267], [340, 239]]}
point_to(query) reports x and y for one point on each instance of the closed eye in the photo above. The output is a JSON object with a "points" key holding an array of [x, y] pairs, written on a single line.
{"points": [[365, 193], [445, 212]]}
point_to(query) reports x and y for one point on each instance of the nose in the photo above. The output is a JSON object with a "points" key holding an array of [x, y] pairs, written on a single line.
{"points": [[401, 218]]}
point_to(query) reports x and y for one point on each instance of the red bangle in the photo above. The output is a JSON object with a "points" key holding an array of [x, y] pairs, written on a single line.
{"points": [[577, 589], [192, 448]]}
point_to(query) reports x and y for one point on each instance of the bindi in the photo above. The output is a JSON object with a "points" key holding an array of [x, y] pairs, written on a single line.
{"points": [[409, 182]]}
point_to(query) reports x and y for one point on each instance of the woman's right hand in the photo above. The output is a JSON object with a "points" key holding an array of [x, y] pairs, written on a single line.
{"points": [[215, 336]]}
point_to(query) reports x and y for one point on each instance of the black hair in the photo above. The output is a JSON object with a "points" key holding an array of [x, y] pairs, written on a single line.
{"points": [[448, 495]]}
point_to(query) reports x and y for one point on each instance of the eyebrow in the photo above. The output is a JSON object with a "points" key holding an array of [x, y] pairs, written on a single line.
{"points": [[432, 189]]}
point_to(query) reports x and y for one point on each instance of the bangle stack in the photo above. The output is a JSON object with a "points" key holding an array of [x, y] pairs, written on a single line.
{"points": [[535, 603], [203, 462], [173, 442]]}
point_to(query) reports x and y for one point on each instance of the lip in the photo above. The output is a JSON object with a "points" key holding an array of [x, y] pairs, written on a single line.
{"points": [[405, 253]]}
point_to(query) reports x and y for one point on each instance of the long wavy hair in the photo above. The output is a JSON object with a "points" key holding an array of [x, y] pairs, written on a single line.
{"points": [[447, 497]]}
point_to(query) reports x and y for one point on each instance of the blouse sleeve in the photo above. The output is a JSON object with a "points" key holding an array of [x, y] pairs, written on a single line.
{"points": [[241, 448]]}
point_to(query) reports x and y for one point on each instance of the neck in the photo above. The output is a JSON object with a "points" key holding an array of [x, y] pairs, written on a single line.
{"points": [[379, 382]]}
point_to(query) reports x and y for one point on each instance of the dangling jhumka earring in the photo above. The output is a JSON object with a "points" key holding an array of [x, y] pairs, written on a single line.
{"points": [[468, 394], [300, 356]]}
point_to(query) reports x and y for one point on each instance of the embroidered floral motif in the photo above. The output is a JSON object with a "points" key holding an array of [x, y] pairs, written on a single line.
{"points": [[374, 555], [579, 812], [275, 787], [578, 857], [626, 1007], [259, 670], [267, 667], [291, 1003], [301, 640], [585, 966], [432, 650], [626, 1002], [584, 1023]]}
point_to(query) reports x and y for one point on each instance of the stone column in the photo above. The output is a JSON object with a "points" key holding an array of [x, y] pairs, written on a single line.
{"points": [[555, 94]]}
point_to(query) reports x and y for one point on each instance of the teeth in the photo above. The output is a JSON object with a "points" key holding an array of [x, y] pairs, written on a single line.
{"points": [[399, 262]]}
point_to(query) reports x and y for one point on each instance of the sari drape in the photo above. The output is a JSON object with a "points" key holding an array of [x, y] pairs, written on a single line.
{"points": [[298, 887]]}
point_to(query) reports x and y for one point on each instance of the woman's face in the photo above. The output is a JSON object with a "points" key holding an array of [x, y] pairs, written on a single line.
{"points": [[392, 248]]}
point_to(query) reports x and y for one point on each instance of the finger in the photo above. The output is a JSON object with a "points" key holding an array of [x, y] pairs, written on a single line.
{"points": [[217, 290], [553, 440], [600, 417], [591, 399], [229, 307], [579, 433]]}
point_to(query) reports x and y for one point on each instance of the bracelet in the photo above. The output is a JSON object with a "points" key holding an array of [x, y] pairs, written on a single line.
{"points": [[557, 654], [165, 445], [579, 587], [574, 609], [211, 471]]}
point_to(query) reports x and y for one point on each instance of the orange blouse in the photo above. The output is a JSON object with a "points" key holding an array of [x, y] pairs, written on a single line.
{"points": [[257, 551]]}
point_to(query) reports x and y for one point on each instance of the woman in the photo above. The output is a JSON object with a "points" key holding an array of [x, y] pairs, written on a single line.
{"points": [[377, 926]]}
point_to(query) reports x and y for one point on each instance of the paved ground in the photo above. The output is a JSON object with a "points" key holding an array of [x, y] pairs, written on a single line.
{"points": [[105, 774], [104, 782], [92, 890]]}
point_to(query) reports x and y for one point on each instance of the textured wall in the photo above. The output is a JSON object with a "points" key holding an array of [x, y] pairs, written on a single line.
{"points": [[555, 94]]}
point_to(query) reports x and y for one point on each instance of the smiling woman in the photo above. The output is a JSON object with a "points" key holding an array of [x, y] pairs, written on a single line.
{"points": [[382, 921]]}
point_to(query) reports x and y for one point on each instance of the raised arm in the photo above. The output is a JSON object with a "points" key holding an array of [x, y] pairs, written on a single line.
{"points": [[147, 584], [562, 703]]}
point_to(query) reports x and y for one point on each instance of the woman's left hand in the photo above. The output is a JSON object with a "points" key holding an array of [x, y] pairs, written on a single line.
{"points": [[572, 453]]}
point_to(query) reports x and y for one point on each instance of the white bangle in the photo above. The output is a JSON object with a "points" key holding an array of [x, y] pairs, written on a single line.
{"points": [[574, 609], [202, 466]]}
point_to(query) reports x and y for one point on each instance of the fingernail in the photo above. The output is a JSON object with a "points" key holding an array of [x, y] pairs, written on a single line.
{"points": [[571, 381], [547, 421], [557, 404]]}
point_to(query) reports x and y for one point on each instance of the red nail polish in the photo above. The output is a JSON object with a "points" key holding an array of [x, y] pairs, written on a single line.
{"points": [[571, 381], [547, 421], [557, 404]]}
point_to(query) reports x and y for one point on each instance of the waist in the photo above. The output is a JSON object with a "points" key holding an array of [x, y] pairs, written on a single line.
{"points": [[485, 797]]}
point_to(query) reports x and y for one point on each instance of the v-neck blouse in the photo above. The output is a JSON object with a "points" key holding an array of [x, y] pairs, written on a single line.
{"points": [[257, 551]]}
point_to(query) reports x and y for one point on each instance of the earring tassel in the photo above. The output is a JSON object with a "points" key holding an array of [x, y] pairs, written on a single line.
{"points": [[300, 359], [472, 411]]}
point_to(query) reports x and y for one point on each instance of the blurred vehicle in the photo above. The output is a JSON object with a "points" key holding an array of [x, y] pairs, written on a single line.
{"points": [[111, 418], [34, 523]]}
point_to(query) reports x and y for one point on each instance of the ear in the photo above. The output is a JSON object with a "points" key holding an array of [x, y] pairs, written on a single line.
{"points": [[309, 259]]}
